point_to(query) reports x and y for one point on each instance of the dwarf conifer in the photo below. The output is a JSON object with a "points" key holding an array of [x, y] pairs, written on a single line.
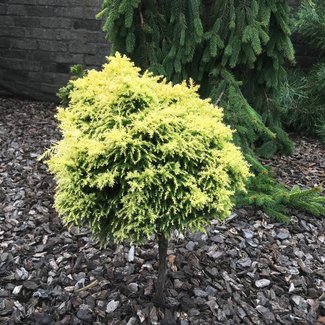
{"points": [[140, 156]]}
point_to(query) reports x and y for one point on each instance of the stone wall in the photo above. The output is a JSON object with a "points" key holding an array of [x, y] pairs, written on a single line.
{"points": [[41, 39]]}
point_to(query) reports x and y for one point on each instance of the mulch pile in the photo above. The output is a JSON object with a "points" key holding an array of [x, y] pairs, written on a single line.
{"points": [[249, 270]]}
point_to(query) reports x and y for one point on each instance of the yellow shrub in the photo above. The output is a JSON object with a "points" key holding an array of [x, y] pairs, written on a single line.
{"points": [[141, 156]]}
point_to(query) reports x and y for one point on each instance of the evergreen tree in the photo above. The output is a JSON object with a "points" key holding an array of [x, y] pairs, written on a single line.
{"points": [[236, 51], [303, 96]]}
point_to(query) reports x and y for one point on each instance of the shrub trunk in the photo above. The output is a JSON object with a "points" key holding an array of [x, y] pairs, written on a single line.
{"points": [[162, 270]]}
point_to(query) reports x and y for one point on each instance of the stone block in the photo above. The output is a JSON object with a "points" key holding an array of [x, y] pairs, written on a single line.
{"points": [[49, 77], [94, 60], [69, 58], [3, 8], [93, 3], [13, 32], [103, 49], [7, 21], [14, 75], [76, 12], [69, 35], [95, 37], [26, 21], [57, 68], [62, 78], [52, 46], [21, 2], [50, 88], [42, 56], [88, 24], [62, 68], [48, 66], [84, 48], [91, 12], [59, 3], [20, 65], [40, 11], [24, 43], [4, 42], [43, 76], [12, 53], [17, 10], [33, 90], [40, 33], [56, 22]]}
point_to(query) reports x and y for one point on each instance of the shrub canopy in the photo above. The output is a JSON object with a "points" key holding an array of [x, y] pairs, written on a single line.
{"points": [[141, 156]]}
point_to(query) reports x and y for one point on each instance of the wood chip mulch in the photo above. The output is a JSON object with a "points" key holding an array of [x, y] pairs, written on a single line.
{"points": [[305, 167], [249, 270]]}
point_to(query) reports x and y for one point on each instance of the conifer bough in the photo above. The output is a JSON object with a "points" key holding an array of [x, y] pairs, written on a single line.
{"points": [[140, 156]]}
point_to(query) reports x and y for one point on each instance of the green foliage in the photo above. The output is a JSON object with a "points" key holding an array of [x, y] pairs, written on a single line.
{"points": [[320, 131], [311, 23], [270, 196], [303, 95], [77, 71], [234, 49], [303, 98], [141, 156]]}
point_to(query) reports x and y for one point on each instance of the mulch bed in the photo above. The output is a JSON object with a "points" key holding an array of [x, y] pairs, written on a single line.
{"points": [[248, 270], [305, 167]]}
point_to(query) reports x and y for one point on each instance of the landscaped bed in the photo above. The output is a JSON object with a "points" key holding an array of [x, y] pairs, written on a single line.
{"points": [[248, 270]]}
